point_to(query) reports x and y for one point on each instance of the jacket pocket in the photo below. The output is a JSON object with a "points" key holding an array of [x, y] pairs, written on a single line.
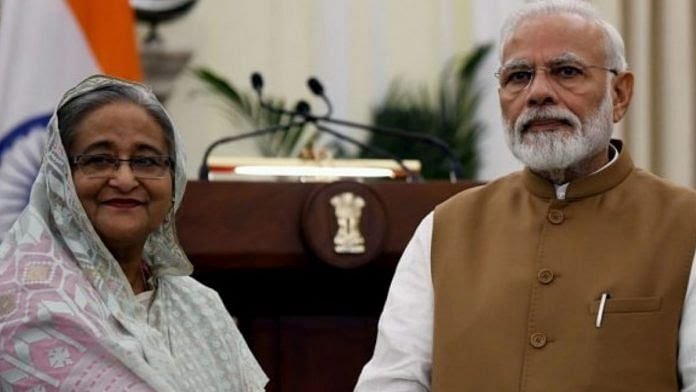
{"points": [[628, 305]]}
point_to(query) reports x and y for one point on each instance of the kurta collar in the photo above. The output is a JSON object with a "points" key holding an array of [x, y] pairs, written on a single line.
{"points": [[586, 186]]}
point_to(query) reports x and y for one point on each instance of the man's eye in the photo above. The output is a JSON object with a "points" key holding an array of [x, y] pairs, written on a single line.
{"points": [[517, 77], [567, 71]]}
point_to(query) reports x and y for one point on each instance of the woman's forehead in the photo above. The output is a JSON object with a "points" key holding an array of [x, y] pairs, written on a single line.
{"points": [[120, 125]]}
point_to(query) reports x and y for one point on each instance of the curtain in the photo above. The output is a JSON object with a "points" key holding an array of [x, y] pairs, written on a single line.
{"points": [[660, 127]]}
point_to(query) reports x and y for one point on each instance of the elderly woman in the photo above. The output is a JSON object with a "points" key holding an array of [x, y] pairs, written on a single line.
{"points": [[94, 287]]}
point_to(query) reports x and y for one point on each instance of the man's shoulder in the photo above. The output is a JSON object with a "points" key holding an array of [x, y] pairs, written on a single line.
{"points": [[648, 183]]}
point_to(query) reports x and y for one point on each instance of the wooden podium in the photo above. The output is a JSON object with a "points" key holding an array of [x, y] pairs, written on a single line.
{"points": [[290, 267]]}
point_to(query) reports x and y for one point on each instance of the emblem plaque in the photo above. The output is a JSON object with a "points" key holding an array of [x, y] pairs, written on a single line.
{"points": [[344, 224], [348, 211]]}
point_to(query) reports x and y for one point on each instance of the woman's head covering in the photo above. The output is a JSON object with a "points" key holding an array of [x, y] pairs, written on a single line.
{"points": [[55, 209], [55, 271]]}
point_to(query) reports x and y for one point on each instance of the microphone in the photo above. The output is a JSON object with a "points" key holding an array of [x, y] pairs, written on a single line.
{"points": [[315, 86], [455, 166], [303, 109], [411, 176], [257, 82], [257, 85], [318, 89], [204, 170]]}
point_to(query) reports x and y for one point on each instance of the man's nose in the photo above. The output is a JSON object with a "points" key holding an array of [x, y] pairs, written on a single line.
{"points": [[541, 90]]}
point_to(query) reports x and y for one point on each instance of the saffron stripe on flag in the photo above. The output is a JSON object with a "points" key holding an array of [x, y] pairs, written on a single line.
{"points": [[46, 47]]}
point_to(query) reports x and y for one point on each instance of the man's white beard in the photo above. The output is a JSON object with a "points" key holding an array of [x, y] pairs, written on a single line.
{"points": [[559, 150]]}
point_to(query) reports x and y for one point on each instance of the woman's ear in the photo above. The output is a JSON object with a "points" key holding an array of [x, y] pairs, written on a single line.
{"points": [[621, 92]]}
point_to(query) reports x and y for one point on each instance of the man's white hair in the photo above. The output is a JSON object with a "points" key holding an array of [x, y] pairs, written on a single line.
{"points": [[613, 43]]}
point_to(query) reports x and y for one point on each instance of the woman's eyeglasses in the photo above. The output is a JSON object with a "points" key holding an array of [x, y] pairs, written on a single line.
{"points": [[103, 165]]}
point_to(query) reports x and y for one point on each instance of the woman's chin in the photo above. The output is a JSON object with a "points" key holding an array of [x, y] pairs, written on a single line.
{"points": [[123, 236]]}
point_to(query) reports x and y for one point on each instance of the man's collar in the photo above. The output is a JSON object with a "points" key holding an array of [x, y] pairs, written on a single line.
{"points": [[608, 176]]}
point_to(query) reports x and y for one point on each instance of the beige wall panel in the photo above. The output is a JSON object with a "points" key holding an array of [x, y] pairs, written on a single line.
{"points": [[677, 67], [613, 12], [356, 47], [638, 135]]}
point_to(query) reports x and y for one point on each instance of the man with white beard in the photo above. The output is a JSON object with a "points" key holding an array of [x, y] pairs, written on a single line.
{"points": [[574, 274]]}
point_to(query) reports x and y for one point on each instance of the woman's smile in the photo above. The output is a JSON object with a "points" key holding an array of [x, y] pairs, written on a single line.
{"points": [[123, 203], [123, 207]]}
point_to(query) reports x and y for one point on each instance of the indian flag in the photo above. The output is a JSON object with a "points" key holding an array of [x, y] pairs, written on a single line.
{"points": [[46, 47]]}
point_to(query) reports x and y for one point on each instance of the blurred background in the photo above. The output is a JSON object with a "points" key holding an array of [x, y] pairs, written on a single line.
{"points": [[308, 311], [404, 63], [359, 48], [423, 66]]}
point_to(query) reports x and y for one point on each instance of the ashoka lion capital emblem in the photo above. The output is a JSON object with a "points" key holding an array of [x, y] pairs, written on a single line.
{"points": [[348, 210]]}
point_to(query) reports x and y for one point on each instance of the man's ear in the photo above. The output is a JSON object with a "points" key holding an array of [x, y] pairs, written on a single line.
{"points": [[621, 92]]}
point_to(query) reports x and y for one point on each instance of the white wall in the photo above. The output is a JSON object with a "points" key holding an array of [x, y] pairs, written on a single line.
{"points": [[357, 47]]}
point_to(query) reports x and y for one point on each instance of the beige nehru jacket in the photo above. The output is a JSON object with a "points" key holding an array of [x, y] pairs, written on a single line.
{"points": [[518, 275]]}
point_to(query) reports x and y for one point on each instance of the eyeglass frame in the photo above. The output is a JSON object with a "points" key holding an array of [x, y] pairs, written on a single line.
{"points": [[555, 64], [116, 164]]}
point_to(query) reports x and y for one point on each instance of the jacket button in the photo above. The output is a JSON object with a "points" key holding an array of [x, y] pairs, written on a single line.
{"points": [[556, 217], [545, 276], [538, 340]]}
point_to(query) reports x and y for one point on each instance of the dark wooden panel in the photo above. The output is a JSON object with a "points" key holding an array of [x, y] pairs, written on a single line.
{"points": [[226, 225], [302, 354], [312, 326]]}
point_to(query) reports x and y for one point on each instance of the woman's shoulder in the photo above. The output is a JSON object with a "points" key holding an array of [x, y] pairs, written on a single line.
{"points": [[187, 283], [187, 289]]}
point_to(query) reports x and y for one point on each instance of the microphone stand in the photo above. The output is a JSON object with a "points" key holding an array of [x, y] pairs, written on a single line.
{"points": [[455, 165], [205, 169], [456, 171], [304, 111], [411, 176]]}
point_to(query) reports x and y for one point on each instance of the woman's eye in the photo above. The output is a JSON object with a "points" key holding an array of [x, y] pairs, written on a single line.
{"points": [[98, 160], [145, 161]]}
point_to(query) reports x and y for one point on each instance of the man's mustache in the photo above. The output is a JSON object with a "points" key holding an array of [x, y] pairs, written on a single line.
{"points": [[530, 116]]}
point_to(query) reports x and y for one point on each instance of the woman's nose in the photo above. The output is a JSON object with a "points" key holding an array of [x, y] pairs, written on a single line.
{"points": [[123, 177]]}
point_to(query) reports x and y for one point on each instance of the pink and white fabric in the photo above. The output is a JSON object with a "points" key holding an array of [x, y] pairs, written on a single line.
{"points": [[69, 319]]}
